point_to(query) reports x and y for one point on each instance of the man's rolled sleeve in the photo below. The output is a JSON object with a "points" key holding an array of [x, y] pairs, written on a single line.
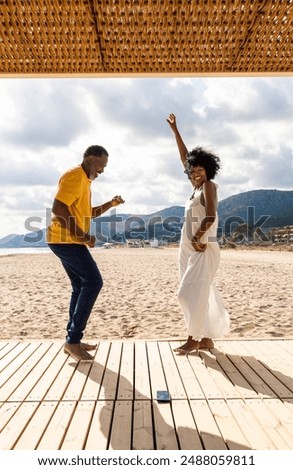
{"points": [[68, 189]]}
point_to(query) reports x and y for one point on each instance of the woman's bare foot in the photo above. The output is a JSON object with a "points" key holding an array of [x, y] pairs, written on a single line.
{"points": [[189, 346], [206, 343]]}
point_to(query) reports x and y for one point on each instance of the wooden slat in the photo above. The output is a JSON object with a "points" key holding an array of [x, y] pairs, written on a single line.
{"points": [[251, 428], [279, 362], [76, 435], [157, 376], [282, 354], [7, 410], [3, 345], [277, 358], [36, 426], [266, 375], [15, 360], [238, 380], [61, 382], [39, 369], [8, 351], [100, 426], [14, 428], [77, 382], [286, 346], [189, 379], [110, 379], [185, 426], [26, 370], [219, 376], [231, 432], [40, 389], [95, 377], [251, 376], [208, 429], [289, 406], [141, 373], [53, 436], [125, 386], [173, 379], [280, 411], [165, 434], [142, 435], [271, 425], [208, 385], [121, 432], [280, 350], [226, 398]]}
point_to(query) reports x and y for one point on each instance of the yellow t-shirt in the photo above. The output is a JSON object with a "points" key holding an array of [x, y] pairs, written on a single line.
{"points": [[74, 190]]}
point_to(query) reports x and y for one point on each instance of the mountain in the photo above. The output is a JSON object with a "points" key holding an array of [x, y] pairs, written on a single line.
{"points": [[263, 208], [31, 239], [163, 225], [8, 239], [276, 205]]}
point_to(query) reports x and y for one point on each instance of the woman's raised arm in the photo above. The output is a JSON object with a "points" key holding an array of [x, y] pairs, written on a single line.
{"points": [[180, 144]]}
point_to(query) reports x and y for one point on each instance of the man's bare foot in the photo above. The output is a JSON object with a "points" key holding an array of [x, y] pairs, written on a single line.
{"points": [[189, 346], [206, 343], [88, 347], [77, 352]]}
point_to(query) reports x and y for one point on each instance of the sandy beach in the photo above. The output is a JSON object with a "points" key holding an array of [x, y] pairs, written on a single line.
{"points": [[139, 297]]}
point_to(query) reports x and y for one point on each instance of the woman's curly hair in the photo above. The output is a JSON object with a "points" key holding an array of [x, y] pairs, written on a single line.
{"points": [[201, 157]]}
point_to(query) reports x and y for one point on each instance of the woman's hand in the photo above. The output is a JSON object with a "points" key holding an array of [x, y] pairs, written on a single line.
{"points": [[198, 246], [172, 121]]}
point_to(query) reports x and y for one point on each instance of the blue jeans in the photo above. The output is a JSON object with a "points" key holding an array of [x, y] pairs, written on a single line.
{"points": [[86, 282]]}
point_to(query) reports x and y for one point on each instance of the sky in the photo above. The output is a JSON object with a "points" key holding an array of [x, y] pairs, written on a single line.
{"points": [[46, 124]]}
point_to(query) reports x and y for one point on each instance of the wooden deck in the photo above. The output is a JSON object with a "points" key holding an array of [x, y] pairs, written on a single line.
{"points": [[236, 396]]}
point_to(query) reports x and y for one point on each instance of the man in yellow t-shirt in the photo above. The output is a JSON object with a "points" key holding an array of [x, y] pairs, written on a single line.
{"points": [[69, 237]]}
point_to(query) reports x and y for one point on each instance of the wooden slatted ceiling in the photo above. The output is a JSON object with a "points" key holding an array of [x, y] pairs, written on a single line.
{"points": [[145, 36]]}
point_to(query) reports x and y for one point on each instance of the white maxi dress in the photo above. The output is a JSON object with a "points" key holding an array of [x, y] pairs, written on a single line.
{"points": [[199, 299]]}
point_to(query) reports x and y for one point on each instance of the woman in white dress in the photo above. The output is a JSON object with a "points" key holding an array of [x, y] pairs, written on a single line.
{"points": [[199, 254]]}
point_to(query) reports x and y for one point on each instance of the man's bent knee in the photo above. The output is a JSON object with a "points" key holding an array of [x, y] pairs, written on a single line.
{"points": [[95, 284]]}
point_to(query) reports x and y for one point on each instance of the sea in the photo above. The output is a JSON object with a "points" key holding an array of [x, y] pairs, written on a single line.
{"points": [[29, 251], [21, 251]]}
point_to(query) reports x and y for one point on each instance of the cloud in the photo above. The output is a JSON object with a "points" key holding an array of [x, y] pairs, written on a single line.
{"points": [[275, 168], [142, 105], [26, 200], [268, 101], [41, 113], [247, 101], [27, 169]]}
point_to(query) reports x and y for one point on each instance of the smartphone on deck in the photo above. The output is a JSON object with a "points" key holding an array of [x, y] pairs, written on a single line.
{"points": [[163, 395]]}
